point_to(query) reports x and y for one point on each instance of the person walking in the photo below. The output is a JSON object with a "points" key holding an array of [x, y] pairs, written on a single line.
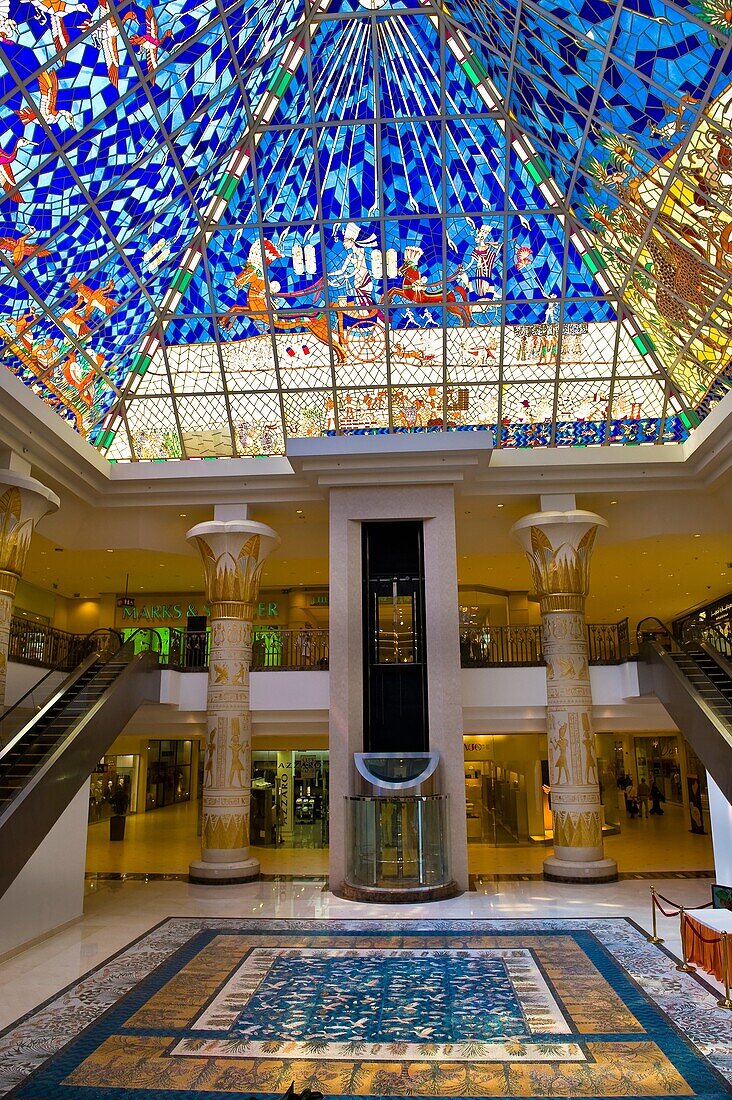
{"points": [[644, 792], [656, 799], [631, 801]]}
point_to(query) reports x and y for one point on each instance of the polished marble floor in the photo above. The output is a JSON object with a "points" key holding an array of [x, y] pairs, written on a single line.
{"points": [[213, 1005], [165, 842], [118, 911]]}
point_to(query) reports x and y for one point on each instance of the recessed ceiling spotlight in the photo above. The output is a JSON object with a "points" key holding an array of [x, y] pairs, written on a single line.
{"points": [[499, 506], [110, 551], [613, 502], [298, 511], [697, 535]]}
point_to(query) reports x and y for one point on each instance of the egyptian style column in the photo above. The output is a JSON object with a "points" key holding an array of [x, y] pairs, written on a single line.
{"points": [[23, 501], [558, 545], [233, 549]]}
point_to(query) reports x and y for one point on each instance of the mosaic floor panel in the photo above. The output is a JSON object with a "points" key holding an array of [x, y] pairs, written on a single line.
{"points": [[205, 1008]]}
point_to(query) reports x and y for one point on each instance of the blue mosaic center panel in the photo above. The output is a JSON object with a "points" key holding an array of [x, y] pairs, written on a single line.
{"points": [[440, 999]]}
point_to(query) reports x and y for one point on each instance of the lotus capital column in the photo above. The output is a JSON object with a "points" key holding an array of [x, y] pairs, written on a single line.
{"points": [[559, 545], [233, 553], [23, 501]]}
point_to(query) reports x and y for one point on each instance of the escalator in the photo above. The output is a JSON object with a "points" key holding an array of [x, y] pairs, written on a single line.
{"points": [[45, 762], [693, 680]]}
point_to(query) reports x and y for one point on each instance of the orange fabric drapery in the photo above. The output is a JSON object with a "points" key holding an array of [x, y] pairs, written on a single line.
{"points": [[700, 953]]}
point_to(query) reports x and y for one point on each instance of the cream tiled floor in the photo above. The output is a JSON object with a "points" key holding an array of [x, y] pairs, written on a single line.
{"points": [[117, 912], [165, 841]]}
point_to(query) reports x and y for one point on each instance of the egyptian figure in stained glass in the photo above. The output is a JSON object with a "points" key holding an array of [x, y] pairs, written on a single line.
{"points": [[416, 289], [253, 276], [354, 274], [482, 258]]}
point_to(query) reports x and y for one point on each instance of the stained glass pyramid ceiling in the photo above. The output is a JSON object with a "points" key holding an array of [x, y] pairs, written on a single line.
{"points": [[223, 225]]}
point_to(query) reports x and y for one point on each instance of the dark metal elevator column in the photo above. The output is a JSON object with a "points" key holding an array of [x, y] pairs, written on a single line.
{"points": [[394, 648]]}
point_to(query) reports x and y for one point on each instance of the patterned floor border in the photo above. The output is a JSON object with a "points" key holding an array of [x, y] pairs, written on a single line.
{"points": [[688, 1002], [475, 881]]}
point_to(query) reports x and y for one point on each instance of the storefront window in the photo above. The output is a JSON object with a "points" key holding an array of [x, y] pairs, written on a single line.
{"points": [[111, 772], [168, 773], [507, 790], [290, 798], [658, 758], [500, 773]]}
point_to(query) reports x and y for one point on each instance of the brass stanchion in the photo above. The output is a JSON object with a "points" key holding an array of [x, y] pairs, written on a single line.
{"points": [[725, 1002], [655, 938], [685, 965]]}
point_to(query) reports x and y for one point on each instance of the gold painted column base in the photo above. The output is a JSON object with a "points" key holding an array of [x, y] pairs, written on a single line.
{"points": [[202, 873]]}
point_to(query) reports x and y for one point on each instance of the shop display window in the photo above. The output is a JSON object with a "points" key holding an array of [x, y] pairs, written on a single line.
{"points": [[168, 773], [111, 772]]}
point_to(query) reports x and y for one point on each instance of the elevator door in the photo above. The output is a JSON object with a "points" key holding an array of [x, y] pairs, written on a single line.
{"points": [[395, 672]]}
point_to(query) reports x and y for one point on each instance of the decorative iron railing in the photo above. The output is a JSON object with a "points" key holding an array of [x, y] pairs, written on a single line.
{"points": [[39, 644], [284, 650], [486, 647], [272, 649], [520, 646]]}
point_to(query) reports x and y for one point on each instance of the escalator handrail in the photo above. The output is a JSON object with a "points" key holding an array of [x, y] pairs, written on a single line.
{"points": [[126, 647], [56, 668], [652, 619], [703, 703], [50, 702], [721, 660], [37, 773]]}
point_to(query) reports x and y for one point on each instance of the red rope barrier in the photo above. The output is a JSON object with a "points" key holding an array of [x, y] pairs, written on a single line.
{"points": [[661, 910], [699, 935], [656, 894]]}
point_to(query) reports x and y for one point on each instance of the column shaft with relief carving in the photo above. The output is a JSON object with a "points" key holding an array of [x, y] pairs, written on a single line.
{"points": [[23, 501], [559, 546], [233, 554]]}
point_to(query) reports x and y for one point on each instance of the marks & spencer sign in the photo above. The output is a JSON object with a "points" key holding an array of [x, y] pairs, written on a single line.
{"points": [[172, 612]]}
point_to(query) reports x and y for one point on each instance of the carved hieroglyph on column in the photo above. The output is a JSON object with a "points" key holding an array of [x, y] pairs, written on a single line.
{"points": [[233, 554], [558, 546], [23, 501]]}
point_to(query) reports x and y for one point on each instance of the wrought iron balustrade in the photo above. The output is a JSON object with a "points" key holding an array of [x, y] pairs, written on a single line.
{"points": [[272, 649], [488, 647], [33, 643], [520, 646]]}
